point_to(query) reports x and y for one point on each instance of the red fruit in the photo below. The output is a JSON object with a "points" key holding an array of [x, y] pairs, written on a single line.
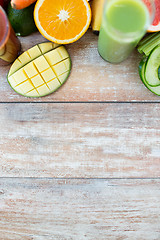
{"points": [[155, 26]]}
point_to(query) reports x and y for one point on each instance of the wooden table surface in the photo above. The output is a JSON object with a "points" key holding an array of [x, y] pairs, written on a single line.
{"points": [[84, 162]]}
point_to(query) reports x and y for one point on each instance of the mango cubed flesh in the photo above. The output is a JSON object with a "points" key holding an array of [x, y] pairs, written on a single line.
{"points": [[19, 76], [63, 77], [62, 51], [54, 84], [59, 68], [53, 57], [19, 89], [43, 89], [12, 81], [26, 86], [32, 93], [46, 47], [17, 65], [37, 81], [34, 52], [40, 70], [30, 70], [41, 63], [24, 58], [48, 74]]}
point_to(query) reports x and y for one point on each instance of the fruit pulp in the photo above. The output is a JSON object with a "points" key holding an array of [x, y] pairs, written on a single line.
{"points": [[155, 26], [9, 43], [40, 70], [64, 21], [124, 23]]}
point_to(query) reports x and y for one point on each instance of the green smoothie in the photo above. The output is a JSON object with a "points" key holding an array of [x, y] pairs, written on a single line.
{"points": [[124, 23]]}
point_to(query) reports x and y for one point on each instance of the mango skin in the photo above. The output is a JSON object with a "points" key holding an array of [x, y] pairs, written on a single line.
{"points": [[39, 54]]}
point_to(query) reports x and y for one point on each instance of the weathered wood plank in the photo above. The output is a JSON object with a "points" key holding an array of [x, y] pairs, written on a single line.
{"points": [[80, 140], [34, 209], [91, 79]]}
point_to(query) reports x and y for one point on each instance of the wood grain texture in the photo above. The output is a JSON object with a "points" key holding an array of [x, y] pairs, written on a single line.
{"points": [[91, 79], [80, 140], [38, 209], [42, 141]]}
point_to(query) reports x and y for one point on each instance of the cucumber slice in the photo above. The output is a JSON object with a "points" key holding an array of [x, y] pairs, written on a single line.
{"points": [[40, 70], [152, 68], [142, 67]]}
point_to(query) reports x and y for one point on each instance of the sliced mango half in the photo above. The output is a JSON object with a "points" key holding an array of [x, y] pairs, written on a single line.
{"points": [[40, 70]]}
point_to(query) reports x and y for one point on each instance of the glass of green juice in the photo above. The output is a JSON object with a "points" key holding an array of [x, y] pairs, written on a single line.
{"points": [[124, 23]]}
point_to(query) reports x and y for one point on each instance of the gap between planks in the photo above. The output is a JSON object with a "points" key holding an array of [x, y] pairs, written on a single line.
{"points": [[82, 178], [79, 102]]}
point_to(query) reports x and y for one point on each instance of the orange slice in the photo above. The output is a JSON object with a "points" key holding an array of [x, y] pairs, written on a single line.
{"points": [[62, 21], [155, 27]]}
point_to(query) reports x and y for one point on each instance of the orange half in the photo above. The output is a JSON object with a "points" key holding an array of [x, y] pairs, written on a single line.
{"points": [[62, 21]]}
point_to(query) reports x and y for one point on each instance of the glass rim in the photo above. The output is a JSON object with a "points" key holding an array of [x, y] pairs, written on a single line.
{"points": [[6, 32], [130, 35]]}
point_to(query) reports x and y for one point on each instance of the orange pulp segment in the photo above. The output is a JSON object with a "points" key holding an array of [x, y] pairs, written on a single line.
{"points": [[62, 21]]}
